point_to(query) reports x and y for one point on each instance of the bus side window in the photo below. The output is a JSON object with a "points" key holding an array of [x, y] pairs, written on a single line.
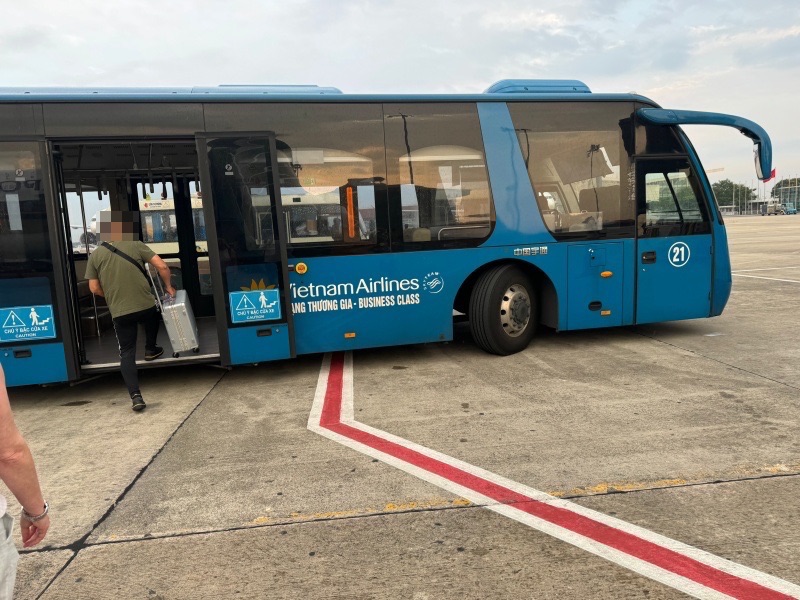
{"points": [[671, 198], [330, 163], [331, 215], [437, 174], [579, 165]]}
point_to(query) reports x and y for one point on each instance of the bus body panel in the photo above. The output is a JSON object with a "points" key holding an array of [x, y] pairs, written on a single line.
{"points": [[350, 302], [34, 364], [20, 119], [723, 281], [126, 119], [377, 300], [259, 343], [517, 217], [677, 284], [596, 285], [354, 295]]}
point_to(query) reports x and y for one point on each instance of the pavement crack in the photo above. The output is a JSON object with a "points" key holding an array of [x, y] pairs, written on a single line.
{"points": [[255, 526], [82, 542], [638, 331]]}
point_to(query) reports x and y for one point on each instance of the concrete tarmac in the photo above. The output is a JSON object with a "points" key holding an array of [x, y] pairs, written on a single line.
{"points": [[219, 490]]}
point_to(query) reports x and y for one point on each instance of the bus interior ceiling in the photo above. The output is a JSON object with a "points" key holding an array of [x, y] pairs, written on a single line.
{"points": [[158, 181]]}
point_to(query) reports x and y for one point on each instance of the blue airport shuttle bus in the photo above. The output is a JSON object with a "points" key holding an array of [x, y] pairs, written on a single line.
{"points": [[302, 220]]}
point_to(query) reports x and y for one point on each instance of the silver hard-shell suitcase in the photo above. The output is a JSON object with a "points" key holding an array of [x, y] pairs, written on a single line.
{"points": [[178, 318]]}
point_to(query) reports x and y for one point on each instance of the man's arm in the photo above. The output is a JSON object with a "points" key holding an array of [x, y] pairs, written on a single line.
{"points": [[18, 472], [93, 276], [95, 287], [163, 272]]}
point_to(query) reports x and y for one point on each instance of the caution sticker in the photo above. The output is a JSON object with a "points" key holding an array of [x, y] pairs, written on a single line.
{"points": [[21, 323], [256, 305]]}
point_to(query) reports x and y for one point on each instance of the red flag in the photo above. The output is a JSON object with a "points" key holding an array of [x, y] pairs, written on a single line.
{"points": [[771, 176]]}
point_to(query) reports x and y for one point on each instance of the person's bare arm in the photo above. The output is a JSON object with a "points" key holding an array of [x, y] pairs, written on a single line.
{"points": [[163, 272], [18, 472], [95, 287]]}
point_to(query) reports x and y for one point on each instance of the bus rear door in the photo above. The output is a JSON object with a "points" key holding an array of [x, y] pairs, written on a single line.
{"points": [[247, 246], [674, 246]]}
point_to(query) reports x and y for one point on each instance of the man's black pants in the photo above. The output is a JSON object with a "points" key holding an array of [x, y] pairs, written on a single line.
{"points": [[126, 328]]}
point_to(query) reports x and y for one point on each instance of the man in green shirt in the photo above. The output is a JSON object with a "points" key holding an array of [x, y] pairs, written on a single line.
{"points": [[127, 292]]}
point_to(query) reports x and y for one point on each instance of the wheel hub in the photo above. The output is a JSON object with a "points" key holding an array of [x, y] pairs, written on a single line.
{"points": [[515, 310]]}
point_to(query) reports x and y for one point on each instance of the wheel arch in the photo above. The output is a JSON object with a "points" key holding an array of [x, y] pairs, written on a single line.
{"points": [[544, 288]]}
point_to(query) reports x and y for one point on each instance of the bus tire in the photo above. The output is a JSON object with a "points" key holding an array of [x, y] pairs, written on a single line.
{"points": [[502, 311]]}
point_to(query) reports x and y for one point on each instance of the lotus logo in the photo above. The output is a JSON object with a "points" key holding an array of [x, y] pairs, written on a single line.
{"points": [[433, 282]]}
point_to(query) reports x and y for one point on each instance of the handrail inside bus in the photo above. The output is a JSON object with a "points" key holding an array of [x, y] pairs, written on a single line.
{"points": [[761, 141]]}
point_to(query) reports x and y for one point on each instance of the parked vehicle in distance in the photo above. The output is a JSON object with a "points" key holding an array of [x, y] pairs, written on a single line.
{"points": [[790, 209], [775, 208]]}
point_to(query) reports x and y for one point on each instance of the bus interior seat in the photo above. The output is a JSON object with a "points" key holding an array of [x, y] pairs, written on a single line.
{"points": [[417, 234], [548, 214], [549, 218], [90, 319], [605, 200], [541, 200]]}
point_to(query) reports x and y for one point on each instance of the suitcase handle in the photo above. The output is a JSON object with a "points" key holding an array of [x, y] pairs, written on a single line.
{"points": [[162, 296]]}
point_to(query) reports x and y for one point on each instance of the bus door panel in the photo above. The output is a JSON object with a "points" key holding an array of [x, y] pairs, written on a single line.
{"points": [[674, 246], [36, 338], [247, 249], [596, 277]]}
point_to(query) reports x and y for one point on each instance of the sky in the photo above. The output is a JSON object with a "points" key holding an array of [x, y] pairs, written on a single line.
{"points": [[735, 56]]}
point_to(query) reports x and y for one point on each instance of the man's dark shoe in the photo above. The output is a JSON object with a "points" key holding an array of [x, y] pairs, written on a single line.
{"points": [[138, 402], [154, 353]]}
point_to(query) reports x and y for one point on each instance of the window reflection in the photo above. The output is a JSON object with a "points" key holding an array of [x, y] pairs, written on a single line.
{"points": [[443, 188], [578, 164], [24, 240], [328, 195], [671, 200]]}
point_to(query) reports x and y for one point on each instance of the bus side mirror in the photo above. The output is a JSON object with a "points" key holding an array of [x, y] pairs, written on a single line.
{"points": [[757, 153]]}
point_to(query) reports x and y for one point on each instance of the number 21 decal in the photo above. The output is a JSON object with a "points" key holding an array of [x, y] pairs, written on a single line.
{"points": [[679, 254]]}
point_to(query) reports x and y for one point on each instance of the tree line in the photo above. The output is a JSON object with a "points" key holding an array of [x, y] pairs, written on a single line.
{"points": [[740, 196]]}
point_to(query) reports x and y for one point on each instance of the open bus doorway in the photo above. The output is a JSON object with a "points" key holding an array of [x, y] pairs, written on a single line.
{"points": [[159, 182]]}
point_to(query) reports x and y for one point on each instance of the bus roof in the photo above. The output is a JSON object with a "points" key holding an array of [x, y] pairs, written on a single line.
{"points": [[505, 90]]}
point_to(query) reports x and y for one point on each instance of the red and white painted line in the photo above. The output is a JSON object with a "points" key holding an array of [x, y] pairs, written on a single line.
{"points": [[683, 567]]}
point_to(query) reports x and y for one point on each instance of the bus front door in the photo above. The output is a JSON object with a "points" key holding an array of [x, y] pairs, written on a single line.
{"points": [[674, 246], [247, 248]]}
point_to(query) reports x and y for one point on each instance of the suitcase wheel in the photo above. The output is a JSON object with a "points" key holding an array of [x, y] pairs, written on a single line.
{"points": [[175, 355], [195, 350]]}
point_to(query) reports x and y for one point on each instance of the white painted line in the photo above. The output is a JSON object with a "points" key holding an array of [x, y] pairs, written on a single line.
{"points": [[683, 567], [765, 269], [767, 278]]}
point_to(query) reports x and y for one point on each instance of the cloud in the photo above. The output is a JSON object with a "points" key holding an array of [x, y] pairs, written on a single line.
{"points": [[728, 55], [532, 20], [748, 39]]}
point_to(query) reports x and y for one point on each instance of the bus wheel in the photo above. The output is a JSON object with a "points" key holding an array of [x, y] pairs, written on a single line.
{"points": [[502, 311]]}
